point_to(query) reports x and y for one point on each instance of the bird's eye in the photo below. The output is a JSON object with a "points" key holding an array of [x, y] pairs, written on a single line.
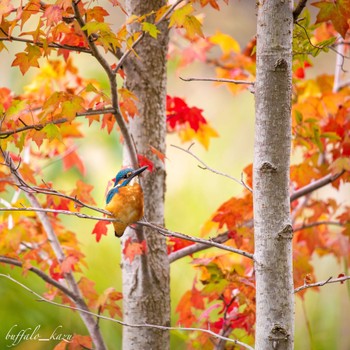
{"points": [[127, 175]]}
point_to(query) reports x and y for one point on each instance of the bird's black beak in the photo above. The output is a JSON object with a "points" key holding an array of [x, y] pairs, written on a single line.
{"points": [[138, 171]]}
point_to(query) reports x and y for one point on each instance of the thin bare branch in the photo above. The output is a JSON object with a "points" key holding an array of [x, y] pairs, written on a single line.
{"points": [[317, 223], [202, 243], [63, 212], [206, 167], [322, 283], [41, 274], [6, 133], [313, 186], [220, 80], [339, 66], [207, 242], [299, 9], [40, 44], [20, 183], [146, 325], [195, 248]]}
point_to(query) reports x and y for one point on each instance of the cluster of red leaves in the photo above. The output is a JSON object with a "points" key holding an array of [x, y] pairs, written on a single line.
{"points": [[187, 121]]}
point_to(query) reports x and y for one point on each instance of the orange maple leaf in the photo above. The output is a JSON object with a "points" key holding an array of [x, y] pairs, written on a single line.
{"points": [[338, 12], [27, 59], [72, 159], [100, 229], [83, 192], [158, 153], [132, 249]]}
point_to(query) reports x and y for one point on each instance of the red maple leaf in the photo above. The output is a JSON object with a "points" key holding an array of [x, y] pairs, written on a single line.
{"points": [[100, 229], [55, 270], [179, 113], [144, 161], [175, 244]]}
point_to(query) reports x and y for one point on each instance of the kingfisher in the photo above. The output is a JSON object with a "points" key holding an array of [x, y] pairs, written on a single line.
{"points": [[125, 200]]}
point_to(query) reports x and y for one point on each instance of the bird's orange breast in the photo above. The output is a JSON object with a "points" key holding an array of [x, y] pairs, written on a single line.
{"points": [[126, 206]]}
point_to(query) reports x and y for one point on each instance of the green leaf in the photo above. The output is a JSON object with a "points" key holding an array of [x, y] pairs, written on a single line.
{"points": [[317, 138], [178, 17], [16, 107], [182, 18], [193, 27], [52, 132], [331, 136], [151, 29], [71, 107], [298, 117], [96, 27]]}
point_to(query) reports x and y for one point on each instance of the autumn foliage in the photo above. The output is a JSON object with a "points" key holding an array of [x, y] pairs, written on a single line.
{"points": [[44, 121]]}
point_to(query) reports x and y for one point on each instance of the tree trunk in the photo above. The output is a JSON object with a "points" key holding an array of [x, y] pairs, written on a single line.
{"points": [[146, 280], [272, 223]]}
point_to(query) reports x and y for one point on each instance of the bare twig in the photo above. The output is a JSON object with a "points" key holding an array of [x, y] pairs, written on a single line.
{"points": [[63, 212], [20, 183], [145, 325], [313, 186], [322, 283], [195, 248], [208, 242], [299, 9], [317, 223], [339, 66], [202, 243], [41, 274], [6, 133], [206, 167], [40, 44], [220, 80]]}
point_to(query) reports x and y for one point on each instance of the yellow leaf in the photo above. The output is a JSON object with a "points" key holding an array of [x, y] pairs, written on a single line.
{"points": [[340, 164], [178, 17], [183, 18], [226, 43], [203, 134], [208, 227]]}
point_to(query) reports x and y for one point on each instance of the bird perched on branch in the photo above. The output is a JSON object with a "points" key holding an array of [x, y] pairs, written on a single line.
{"points": [[125, 201]]}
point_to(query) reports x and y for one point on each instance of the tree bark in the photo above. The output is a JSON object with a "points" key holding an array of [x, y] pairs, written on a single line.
{"points": [[146, 280], [272, 223]]}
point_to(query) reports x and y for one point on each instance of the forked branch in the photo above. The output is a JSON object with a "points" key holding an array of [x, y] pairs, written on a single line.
{"points": [[204, 166], [322, 283]]}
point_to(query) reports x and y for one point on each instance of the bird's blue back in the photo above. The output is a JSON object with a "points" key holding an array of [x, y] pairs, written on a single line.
{"points": [[115, 188]]}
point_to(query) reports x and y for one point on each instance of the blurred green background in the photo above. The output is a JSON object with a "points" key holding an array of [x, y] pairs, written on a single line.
{"points": [[192, 195]]}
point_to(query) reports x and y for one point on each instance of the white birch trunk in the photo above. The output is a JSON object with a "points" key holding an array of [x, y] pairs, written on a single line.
{"points": [[146, 280], [272, 223]]}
